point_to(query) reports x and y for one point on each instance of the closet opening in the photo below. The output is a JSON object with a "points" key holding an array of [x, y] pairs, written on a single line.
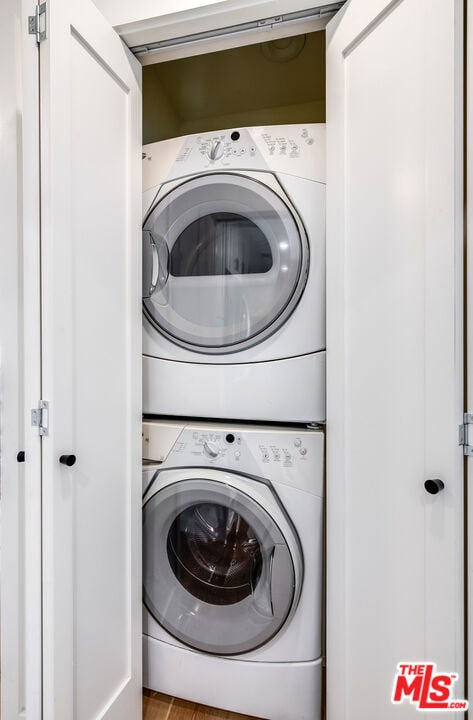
{"points": [[277, 82]]}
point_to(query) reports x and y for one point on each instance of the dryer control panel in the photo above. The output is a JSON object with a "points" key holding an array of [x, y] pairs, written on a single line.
{"points": [[290, 149], [292, 457], [225, 150]]}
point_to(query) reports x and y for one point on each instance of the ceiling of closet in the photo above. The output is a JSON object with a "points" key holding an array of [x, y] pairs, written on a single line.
{"points": [[282, 81]]}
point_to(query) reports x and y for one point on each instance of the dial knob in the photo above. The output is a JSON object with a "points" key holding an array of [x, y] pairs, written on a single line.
{"points": [[216, 151], [210, 449]]}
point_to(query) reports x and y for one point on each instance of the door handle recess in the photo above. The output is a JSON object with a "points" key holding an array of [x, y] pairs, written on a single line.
{"points": [[68, 460], [261, 593], [155, 264]]}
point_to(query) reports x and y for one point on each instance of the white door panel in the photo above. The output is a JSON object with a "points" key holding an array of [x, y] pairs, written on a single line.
{"points": [[91, 280], [394, 357]]}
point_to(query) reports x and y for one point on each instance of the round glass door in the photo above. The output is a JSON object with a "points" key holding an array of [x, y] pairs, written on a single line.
{"points": [[217, 572], [214, 553], [225, 262]]}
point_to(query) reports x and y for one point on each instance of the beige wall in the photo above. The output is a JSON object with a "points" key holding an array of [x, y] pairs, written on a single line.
{"points": [[160, 119], [282, 115], [234, 88]]}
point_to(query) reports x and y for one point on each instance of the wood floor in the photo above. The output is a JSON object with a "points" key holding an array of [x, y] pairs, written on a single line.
{"points": [[163, 707]]}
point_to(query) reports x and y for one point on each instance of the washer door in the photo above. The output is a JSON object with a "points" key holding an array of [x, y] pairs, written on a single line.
{"points": [[225, 261], [217, 571]]}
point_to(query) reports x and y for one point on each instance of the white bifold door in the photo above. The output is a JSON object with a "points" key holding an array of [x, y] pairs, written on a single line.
{"points": [[395, 558], [91, 367], [394, 354]]}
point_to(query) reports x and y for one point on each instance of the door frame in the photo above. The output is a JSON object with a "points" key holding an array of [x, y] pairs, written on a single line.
{"points": [[468, 349], [214, 22], [21, 586]]}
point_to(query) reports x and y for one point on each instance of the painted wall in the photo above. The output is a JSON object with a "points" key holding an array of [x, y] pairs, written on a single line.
{"points": [[213, 91], [160, 118], [282, 115]]}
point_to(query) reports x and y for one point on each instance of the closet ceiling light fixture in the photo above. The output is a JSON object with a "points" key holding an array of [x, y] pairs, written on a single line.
{"points": [[283, 49]]}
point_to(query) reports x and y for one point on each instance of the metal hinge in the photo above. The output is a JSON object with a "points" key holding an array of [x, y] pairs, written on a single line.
{"points": [[37, 23], [40, 417], [463, 434]]}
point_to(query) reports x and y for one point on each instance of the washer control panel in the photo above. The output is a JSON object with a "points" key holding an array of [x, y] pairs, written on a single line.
{"points": [[286, 456], [208, 445]]}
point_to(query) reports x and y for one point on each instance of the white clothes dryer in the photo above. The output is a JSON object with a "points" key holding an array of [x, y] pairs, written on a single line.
{"points": [[232, 567], [234, 275]]}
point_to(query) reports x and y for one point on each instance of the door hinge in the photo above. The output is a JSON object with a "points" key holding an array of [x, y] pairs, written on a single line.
{"points": [[37, 23], [463, 434], [40, 417]]}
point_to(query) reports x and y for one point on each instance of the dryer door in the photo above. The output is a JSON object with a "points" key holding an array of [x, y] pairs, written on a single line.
{"points": [[218, 573], [225, 260]]}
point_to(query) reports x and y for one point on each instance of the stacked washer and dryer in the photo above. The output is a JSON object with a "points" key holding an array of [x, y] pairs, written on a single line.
{"points": [[234, 399]]}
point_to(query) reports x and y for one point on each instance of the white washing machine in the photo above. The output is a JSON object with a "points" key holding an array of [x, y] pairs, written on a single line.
{"points": [[234, 274], [232, 567]]}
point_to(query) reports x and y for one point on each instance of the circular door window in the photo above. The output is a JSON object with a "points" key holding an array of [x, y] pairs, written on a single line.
{"points": [[217, 572], [225, 261], [214, 553]]}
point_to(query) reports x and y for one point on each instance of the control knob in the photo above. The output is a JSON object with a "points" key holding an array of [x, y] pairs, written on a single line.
{"points": [[216, 151], [210, 449]]}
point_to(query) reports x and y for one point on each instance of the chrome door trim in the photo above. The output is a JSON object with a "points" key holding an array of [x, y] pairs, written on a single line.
{"points": [[278, 321], [264, 606]]}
